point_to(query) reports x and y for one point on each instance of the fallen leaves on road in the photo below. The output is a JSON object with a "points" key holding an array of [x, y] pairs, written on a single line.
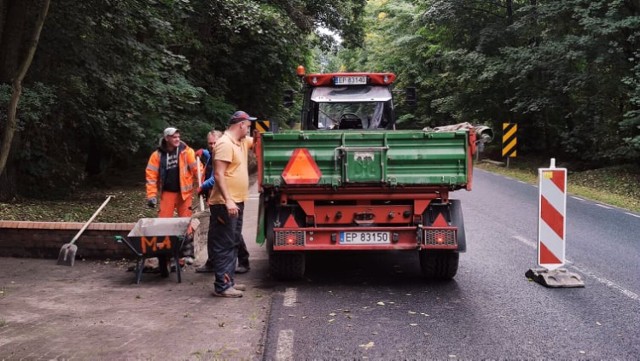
{"points": [[368, 345]]}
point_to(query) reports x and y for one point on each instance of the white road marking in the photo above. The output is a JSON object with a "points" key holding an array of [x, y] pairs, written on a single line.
{"points": [[580, 199], [285, 345], [290, 297], [632, 295], [603, 206], [527, 242], [632, 215]]}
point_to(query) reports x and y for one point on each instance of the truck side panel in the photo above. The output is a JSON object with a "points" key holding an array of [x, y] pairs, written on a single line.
{"points": [[391, 158]]}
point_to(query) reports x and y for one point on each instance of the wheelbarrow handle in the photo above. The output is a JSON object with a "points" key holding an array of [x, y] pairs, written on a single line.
{"points": [[124, 240]]}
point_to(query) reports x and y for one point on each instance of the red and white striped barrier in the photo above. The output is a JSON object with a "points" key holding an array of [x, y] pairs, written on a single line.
{"points": [[552, 222], [552, 210]]}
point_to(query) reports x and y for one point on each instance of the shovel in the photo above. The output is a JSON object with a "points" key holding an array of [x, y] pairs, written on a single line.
{"points": [[68, 250]]}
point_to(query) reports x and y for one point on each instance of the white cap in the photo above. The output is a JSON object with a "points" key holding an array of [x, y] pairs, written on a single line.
{"points": [[170, 131]]}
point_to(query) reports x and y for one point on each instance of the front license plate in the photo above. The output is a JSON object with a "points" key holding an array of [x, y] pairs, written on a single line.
{"points": [[365, 237], [350, 80]]}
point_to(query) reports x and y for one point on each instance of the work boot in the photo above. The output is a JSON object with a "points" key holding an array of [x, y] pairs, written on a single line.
{"points": [[151, 262], [240, 287], [180, 262], [229, 292]]}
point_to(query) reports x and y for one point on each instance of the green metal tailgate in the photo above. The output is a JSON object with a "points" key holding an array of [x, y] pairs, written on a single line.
{"points": [[372, 157]]}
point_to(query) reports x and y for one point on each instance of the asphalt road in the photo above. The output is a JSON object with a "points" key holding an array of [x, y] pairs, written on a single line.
{"points": [[377, 306]]}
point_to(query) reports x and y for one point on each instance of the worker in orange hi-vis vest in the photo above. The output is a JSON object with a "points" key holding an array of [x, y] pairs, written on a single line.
{"points": [[172, 175]]}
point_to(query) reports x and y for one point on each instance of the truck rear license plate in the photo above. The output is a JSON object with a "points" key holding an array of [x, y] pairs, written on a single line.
{"points": [[364, 237]]}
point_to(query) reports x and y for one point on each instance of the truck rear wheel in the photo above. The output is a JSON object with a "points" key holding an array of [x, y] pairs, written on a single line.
{"points": [[286, 265], [457, 220], [439, 264], [282, 265]]}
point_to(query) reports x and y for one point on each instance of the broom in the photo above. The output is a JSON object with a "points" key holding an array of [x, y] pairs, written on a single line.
{"points": [[67, 253]]}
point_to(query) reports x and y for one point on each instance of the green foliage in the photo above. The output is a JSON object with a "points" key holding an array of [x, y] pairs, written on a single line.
{"points": [[630, 126], [566, 72], [108, 76], [35, 104], [44, 163]]}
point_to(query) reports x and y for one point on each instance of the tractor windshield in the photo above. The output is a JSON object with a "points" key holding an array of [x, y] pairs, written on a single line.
{"points": [[352, 107]]}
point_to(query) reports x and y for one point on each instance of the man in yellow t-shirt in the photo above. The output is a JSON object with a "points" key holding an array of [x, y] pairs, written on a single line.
{"points": [[226, 203]]}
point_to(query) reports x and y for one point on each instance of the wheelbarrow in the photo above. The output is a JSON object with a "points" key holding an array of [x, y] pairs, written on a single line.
{"points": [[159, 237]]}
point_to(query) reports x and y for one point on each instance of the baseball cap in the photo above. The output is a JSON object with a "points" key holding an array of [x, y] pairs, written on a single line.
{"points": [[240, 116], [170, 131]]}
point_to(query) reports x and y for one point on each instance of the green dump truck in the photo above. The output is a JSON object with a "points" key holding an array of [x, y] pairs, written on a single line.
{"points": [[349, 181]]}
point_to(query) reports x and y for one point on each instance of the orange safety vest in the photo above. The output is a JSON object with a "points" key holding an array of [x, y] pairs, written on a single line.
{"points": [[187, 165]]}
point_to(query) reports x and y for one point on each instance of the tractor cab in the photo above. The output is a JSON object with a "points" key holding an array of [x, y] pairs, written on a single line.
{"points": [[348, 101]]}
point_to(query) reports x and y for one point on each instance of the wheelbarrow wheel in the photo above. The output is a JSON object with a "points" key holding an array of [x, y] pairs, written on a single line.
{"points": [[164, 266]]}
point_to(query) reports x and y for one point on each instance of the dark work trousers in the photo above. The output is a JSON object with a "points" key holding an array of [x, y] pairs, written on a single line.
{"points": [[243, 252], [224, 240]]}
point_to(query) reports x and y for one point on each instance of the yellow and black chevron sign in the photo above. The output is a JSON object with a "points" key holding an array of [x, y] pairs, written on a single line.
{"points": [[262, 125], [509, 139]]}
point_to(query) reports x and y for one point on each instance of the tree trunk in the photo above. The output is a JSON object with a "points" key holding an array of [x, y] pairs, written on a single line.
{"points": [[509, 6], [16, 87]]}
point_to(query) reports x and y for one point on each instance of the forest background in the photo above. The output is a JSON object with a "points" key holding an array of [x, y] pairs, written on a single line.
{"points": [[107, 76]]}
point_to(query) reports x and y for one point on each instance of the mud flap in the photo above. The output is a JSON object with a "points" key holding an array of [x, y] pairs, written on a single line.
{"points": [[559, 278]]}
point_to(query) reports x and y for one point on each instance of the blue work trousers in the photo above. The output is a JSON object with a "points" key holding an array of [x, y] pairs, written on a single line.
{"points": [[225, 233]]}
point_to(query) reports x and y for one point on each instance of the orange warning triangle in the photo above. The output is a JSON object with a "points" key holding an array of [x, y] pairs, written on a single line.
{"points": [[301, 169]]}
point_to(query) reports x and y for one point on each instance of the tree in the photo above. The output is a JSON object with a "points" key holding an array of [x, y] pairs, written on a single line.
{"points": [[16, 62], [565, 71], [110, 75]]}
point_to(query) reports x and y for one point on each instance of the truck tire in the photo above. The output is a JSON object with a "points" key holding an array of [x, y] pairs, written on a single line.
{"points": [[439, 264], [287, 265], [457, 220], [282, 265]]}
